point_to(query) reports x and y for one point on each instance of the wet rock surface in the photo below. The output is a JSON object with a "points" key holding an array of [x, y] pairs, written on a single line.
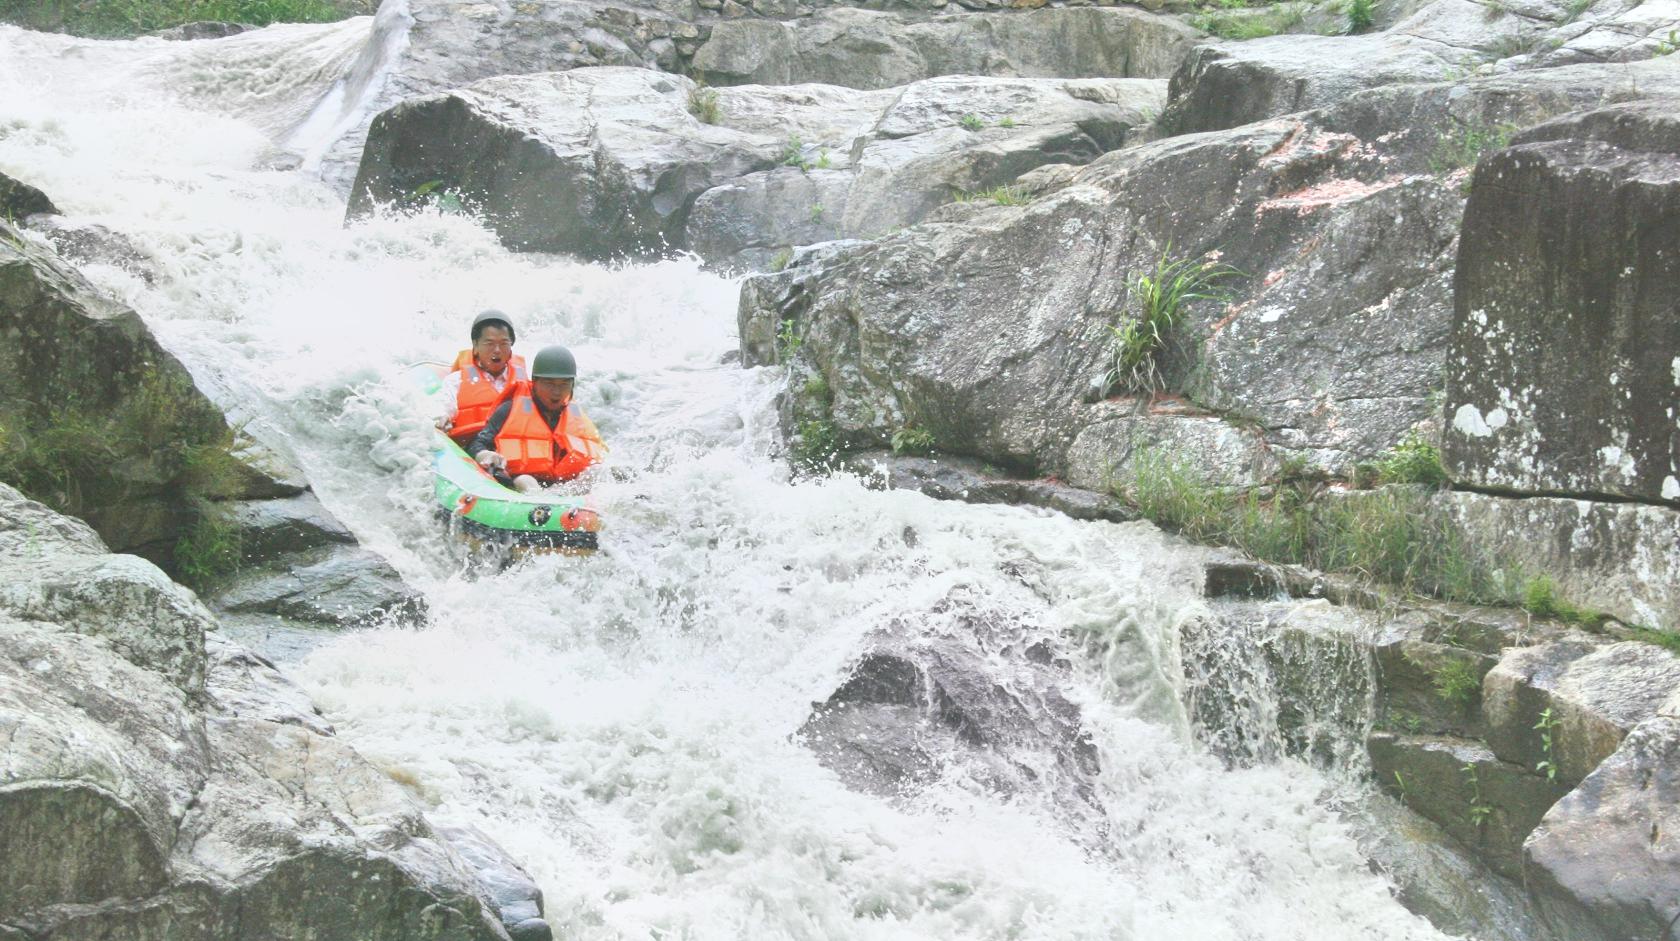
{"points": [[141, 798]]}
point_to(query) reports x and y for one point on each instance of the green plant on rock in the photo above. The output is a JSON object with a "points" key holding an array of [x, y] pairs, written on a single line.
{"points": [[793, 153], [1456, 684], [1412, 461], [1668, 640], [971, 122], [1546, 726], [1479, 809], [1241, 26], [1573, 11], [779, 261], [703, 104], [1006, 195], [434, 194], [823, 161], [817, 211], [1540, 598], [788, 340], [1466, 143], [816, 445], [1400, 786], [1157, 303], [1007, 122], [1361, 15], [912, 440], [1667, 45], [210, 549], [816, 388]]}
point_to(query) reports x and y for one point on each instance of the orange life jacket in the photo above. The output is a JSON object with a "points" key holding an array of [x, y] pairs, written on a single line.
{"points": [[548, 454], [478, 397]]}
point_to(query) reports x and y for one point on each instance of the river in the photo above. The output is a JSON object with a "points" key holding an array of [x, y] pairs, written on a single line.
{"points": [[627, 724]]}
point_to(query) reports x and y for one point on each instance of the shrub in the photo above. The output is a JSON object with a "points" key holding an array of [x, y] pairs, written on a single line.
{"points": [[1457, 684], [912, 440], [1241, 26], [816, 445], [1360, 15], [703, 104], [1157, 302], [971, 122], [1412, 461], [126, 18]]}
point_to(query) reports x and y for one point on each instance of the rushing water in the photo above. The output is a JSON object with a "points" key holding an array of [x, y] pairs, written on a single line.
{"points": [[625, 724]]}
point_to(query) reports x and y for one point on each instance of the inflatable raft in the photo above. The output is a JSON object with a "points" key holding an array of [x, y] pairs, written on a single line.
{"points": [[482, 510]]}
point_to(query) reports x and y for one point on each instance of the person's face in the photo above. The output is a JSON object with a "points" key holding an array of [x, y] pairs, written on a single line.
{"points": [[493, 349], [552, 394]]}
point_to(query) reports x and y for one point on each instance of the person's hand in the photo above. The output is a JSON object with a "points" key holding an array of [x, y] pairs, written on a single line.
{"points": [[491, 460]]}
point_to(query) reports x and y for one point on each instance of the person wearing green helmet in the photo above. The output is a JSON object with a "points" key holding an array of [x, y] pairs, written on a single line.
{"points": [[540, 436]]}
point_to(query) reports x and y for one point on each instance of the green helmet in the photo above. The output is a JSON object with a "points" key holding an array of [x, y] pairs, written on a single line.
{"points": [[554, 362], [492, 318]]}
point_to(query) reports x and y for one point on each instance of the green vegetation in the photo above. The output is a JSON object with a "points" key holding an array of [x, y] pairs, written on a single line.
{"points": [[434, 194], [1480, 809], [816, 445], [1007, 122], [703, 104], [1573, 11], [1667, 640], [788, 340], [1412, 461], [912, 440], [1246, 25], [816, 388], [1457, 684], [779, 261], [817, 210], [1360, 15], [793, 153], [823, 163], [1541, 599], [1547, 724], [1668, 45], [108, 19], [1006, 195], [971, 122], [1157, 304], [1386, 535], [78, 456], [1466, 143]]}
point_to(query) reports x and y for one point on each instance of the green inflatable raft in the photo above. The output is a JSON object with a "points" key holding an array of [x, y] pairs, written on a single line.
{"points": [[482, 510]]}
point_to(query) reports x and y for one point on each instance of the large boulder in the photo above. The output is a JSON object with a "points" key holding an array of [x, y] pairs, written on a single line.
{"points": [[612, 162], [135, 802], [934, 141], [1604, 856], [870, 49], [1331, 346], [107, 427], [1227, 84], [1565, 368]]}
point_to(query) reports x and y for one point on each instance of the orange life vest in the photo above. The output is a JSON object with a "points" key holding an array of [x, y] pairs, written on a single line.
{"points": [[548, 454], [478, 397]]}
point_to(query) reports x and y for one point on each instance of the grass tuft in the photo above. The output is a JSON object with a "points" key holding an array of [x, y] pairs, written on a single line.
{"points": [[912, 440], [703, 104], [1157, 304]]}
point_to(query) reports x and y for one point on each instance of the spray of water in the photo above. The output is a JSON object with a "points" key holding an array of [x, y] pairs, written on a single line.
{"points": [[625, 723]]}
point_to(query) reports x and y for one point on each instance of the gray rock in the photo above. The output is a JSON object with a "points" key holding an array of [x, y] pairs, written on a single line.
{"points": [[18, 199], [1605, 848], [114, 372], [337, 584], [204, 29], [1622, 559], [1564, 375], [425, 47], [1104, 453], [508, 888], [915, 156], [956, 478], [610, 162], [1596, 694], [1332, 345], [865, 49], [242, 684], [598, 162], [56, 571], [1493, 807], [272, 528], [1613, 31], [85, 243]]}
